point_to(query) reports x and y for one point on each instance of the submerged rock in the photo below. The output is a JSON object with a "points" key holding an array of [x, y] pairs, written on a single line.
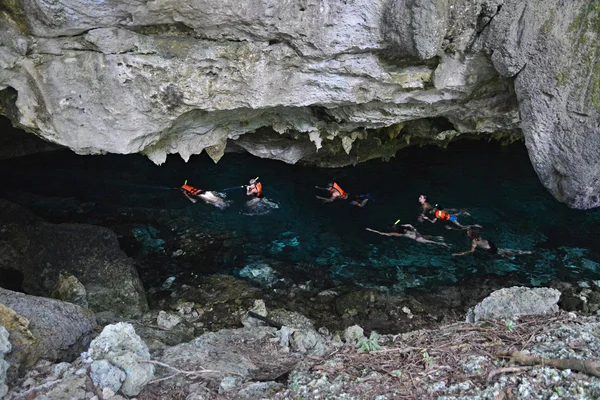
{"points": [[42, 328], [91, 254], [515, 302]]}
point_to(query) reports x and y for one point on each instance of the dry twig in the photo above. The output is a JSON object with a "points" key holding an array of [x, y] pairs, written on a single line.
{"points": [[192, 374], [588, 367]]}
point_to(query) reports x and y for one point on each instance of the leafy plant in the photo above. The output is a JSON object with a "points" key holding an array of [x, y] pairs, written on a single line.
{"points": [[510, 324], [426, 358], [369, 344]]}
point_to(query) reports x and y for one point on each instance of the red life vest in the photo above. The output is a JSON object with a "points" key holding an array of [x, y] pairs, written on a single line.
{"points": [[339, 189], [442, 215], [192, 191]]}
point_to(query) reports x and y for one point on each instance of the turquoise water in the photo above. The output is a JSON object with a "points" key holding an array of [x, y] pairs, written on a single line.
{"points": [[495, 184]]}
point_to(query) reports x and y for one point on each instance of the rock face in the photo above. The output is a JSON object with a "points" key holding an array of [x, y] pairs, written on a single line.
{"points": [[514, 302], [43, 328], [42, 251], [5, 347], [117, 360], [331, 83]]}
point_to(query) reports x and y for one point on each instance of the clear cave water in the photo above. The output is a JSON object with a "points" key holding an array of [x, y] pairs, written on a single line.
{"points": [[495, 183]]}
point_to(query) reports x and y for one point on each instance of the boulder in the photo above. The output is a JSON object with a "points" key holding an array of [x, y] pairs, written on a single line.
{"points": [[123, 349], [238, 355], [43, 328], [514, 302], [68, 288], [4, 349], [88, 254]]}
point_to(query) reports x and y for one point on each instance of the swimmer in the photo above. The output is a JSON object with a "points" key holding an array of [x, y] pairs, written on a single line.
{"points": [[478, 242], [361, 200], [214, 198], [335, 191], [439, 214], [425, 208], [409, 231], [254, 189]]}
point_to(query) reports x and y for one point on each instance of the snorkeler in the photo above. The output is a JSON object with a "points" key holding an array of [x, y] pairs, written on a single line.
{"points": [[209, 197], [488, 245], [409, 231], [335, 191], [254, 189], [438, 213]]}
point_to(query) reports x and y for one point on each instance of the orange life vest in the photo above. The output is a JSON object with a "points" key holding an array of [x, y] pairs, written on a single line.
{"points": [[192, 191], [442, 215], [339, 189], [258, 189]]}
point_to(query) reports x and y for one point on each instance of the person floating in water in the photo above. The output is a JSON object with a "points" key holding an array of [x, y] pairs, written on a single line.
{"points": [[478, 242], [258, 205], [336, 192], [254, 189], [361, 200], [209, 197], [425, 208], [409, 231], [438, 213]]}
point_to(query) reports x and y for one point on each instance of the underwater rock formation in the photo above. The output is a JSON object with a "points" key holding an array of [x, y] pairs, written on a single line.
{"points": [[317, 82], [41, 251]]}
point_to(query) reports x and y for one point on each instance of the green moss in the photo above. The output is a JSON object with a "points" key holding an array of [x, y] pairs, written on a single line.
{"points": [[14, 10], [562, 78]]}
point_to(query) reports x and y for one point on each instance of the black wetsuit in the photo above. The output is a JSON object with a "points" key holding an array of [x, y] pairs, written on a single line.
{"points": [[493, 249]]}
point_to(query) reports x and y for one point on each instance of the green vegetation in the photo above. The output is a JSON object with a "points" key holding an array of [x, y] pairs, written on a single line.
{"points": [[13, 10], [562, 78], [369, 344]]}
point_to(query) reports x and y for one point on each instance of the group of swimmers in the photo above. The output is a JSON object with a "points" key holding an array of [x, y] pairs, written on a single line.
{"points": [[428, 213]]}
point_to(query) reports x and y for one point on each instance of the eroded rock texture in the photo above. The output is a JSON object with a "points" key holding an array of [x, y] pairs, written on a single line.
{"points": [[318, 81]]}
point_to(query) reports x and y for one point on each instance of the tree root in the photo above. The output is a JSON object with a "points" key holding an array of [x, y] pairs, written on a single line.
{"points": [[587, 367]]}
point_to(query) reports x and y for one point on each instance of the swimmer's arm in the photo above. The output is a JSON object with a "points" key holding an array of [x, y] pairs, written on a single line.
{"points": [[189, 198], [473, 247], [380, 233], [409, 226], [322, 188], [325, 199]]}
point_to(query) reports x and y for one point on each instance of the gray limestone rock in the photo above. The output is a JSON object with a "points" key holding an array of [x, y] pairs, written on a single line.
{"points": [[514, 302], [43, 328], [238, 354], [548, 46], [259, 390], [353, 333], [106, 375], [167, 320], [68, 288], [123, 348], [4, 349]]}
